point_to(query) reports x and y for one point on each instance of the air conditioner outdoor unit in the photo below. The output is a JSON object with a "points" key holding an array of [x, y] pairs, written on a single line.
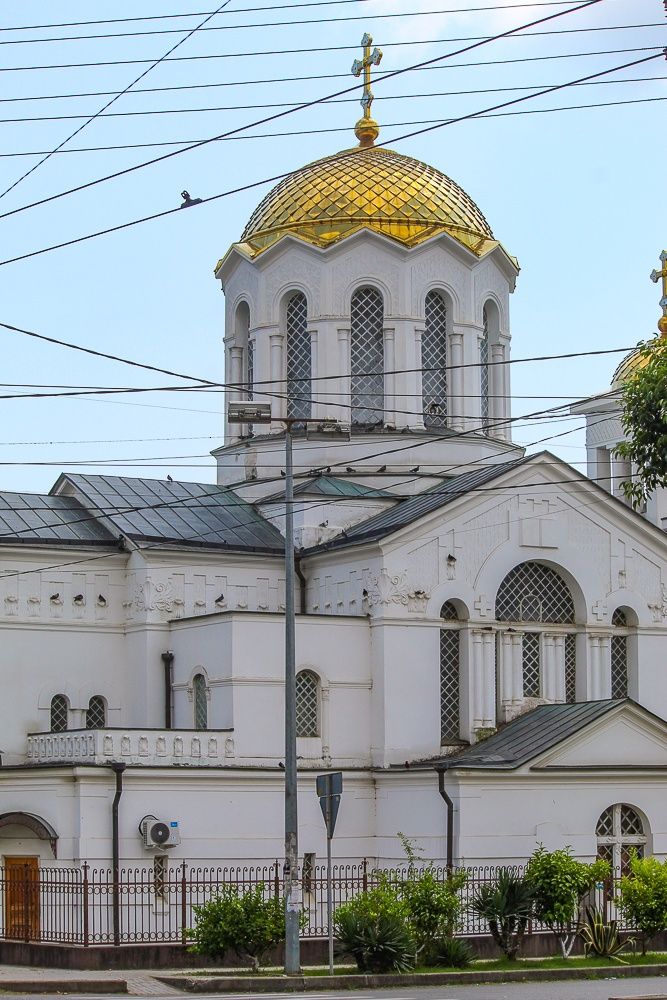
{"points": [[157, 833]]}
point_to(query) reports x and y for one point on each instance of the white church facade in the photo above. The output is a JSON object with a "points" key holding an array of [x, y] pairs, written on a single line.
{"points": [[478, 630]]}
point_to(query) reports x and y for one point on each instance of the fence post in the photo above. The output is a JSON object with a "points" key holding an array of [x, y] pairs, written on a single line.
{"points": [[184, 906], [26, 903], [276, 880], [364, 876], [84, 903]]}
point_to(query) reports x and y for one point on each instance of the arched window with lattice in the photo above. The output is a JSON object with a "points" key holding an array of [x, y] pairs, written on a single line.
{"points": [[307, 704], [298, 358], [619, 654], [367, 357], [200, 701], [620, 830], [434, 361], [484, 373], [450, 684], [96, 713], [59, 714]]}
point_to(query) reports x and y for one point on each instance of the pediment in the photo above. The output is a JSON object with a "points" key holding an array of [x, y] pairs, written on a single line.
{"points": [[628, 736]]}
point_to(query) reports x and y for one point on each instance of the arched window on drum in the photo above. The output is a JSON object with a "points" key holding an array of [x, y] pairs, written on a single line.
{"points": [[367, 357], [299, 391], [434, 361]]}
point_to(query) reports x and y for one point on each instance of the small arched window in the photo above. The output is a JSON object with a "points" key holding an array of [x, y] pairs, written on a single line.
{"points": [[449, 674], [367, 357], [307, 704], [96, 714], [434, 361], [619, 655], [298, 358], [484, 373], [59, 713], [200, 701], [619, 831]]}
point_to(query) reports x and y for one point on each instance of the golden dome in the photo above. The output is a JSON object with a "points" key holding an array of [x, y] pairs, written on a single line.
{"points": [[631, 363], [367, 188]]}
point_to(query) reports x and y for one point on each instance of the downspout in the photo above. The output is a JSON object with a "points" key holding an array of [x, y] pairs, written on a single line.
{"points": [[168, 661], [450, 820], [118, 769], [302, 584]]}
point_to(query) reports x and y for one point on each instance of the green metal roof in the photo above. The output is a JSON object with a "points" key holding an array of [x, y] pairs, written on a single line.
{"points": [[331, 486]]}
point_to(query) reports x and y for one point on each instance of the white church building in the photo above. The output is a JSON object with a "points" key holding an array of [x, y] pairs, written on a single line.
{"points": [[475, 626]]}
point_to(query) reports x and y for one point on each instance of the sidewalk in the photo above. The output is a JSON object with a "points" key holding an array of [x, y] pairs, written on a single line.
{"points": [[34, 979]]}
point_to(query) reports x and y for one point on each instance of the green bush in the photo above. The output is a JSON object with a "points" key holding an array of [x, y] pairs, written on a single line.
{"points": [[643, 896], [375, 929], [454, 953], [249, 924], [559, 883], [506, 904]]}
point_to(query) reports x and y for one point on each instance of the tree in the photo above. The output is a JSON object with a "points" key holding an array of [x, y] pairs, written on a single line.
{"points": [[559, 884], [507, 905], [644, 420], [247, 923], [643, 896]]}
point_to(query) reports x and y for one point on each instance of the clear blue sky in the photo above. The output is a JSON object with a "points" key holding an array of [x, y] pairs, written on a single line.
{"points": [[578, 196]]}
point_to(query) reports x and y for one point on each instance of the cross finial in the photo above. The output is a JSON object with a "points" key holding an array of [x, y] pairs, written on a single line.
{"points": [[655, 278], [366, 129]]}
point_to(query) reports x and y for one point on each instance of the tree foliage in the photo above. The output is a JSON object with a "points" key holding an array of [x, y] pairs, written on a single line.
{"points": [[375, 929], [644, 419], [643, 896], [559, 884], [247, 923]]}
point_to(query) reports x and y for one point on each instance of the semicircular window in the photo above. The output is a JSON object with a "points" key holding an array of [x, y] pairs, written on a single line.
{"points": [[532, 592]]}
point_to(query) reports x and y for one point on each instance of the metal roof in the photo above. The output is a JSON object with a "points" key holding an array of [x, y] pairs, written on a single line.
{"points": [[152, 510], [331, 486], [31, 517], [388, 521], [530, 735]]}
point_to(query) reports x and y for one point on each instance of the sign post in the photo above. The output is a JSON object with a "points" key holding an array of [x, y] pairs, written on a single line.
{"points": [[329, 789]]}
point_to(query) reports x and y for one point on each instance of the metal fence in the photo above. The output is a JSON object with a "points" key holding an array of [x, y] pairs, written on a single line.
{"points": [[86, 906]]}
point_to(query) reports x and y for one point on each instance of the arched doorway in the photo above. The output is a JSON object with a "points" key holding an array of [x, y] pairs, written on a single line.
{"points": [[21, 883]]}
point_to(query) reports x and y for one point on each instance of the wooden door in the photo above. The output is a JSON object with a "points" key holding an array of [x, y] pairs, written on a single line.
{"points": [[22, 898]]}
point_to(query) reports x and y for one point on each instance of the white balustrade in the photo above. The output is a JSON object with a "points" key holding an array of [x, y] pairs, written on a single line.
{"points": [[148, 747]]}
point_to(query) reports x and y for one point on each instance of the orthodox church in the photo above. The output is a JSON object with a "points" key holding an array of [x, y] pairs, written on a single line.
{"points": [[480, 634]]}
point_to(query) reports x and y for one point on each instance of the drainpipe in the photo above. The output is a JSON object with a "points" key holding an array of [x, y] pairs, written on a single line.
{"points": [[118, 769], [168, 661], [302, 584], [450, 820]]}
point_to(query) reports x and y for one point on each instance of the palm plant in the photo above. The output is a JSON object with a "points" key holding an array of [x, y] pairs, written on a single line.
{"points": [[507, 905]]}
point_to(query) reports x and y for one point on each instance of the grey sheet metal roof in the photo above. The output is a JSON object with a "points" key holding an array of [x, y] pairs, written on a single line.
{"points": [[530, 735], [201, 514], [31, 517], [388, 521], [331, 486]]}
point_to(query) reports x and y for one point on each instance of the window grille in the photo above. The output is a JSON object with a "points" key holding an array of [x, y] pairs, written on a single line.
{"points": [[59, 713], [298, 358], [570, 668], [307, 704], [251, 369], [532, 592], [200, 700], [434, 362], [367, 357], [531, 665], [619, 831], [449, 685], [619, 618], [448, 612], [160, 875], [619, 666], [96, 715], [484, 373]]}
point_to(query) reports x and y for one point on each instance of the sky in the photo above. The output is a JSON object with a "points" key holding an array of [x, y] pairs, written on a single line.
{"points": [[577, 195]]}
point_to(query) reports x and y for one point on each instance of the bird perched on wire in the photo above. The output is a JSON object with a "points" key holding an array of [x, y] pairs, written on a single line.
{"points": [[188, 201]]}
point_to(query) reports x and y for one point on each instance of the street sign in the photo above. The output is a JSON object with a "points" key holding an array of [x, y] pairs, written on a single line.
{"points": [[330, 788]]}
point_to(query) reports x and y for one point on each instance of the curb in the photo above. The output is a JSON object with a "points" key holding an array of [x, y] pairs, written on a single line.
{"points": [[302, 984], [63, 986]]}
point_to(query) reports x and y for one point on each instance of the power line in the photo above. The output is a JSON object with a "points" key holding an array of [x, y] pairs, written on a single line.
{"points": [[109, 103]]}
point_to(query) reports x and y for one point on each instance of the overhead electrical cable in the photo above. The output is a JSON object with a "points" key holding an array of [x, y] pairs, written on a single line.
{"points": [[116, 97]]}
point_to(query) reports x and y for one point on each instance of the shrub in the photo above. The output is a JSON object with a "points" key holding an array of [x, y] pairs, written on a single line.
{"points": [[454, 953], [643, 896], [600, 938], [374, 928], [559, 884], [248, 924], [506, 905]]}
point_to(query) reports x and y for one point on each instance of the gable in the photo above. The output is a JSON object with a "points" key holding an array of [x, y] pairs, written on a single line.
{"points": [[625, 737]]}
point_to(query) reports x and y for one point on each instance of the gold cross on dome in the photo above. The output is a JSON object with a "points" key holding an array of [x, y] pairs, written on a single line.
{"points": [[367, 135], [655, 277]]}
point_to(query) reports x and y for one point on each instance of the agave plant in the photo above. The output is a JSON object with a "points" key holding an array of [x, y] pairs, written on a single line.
{"points": [[601, 938], [506, 905]]}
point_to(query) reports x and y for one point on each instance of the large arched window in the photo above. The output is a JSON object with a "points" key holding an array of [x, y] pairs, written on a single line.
{"points": [[200, 701], [59, 713], [367, 357], [449, 674], [307, 704], [298, 357], [434, 361], [619, 655], [535, 596], [619, 831], [484, 373], [96, 714]]}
